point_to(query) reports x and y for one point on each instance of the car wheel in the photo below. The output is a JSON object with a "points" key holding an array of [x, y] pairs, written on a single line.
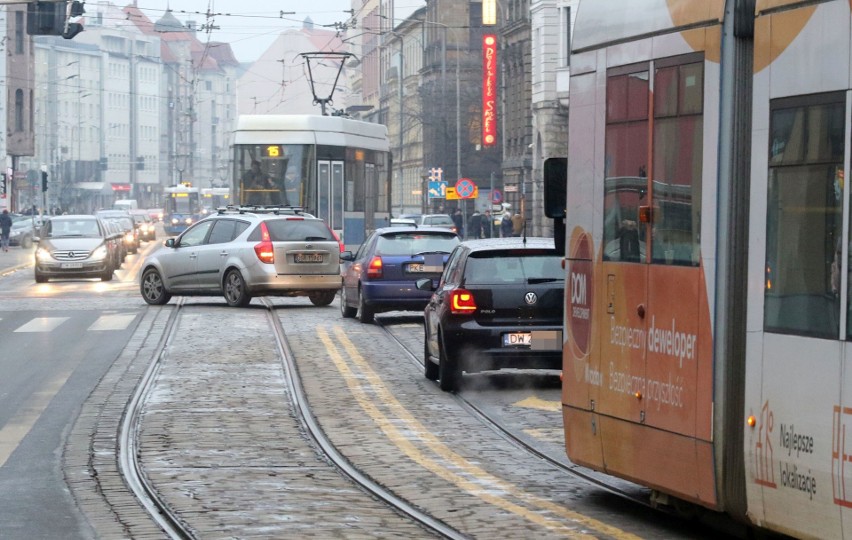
{"points": [[323, 298], [365, 313], [449, 371], [40, 278], [107, 275], [153, 289], [430, 368], [346, 310], [235, 290]]}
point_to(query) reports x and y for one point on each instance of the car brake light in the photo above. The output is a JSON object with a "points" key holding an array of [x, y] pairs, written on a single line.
{"points": [[462, 303], [264, 249], [334, 234], [374, 269]]}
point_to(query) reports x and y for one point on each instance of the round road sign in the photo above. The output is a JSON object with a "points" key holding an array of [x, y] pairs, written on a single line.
{"points": [[465, 187]]}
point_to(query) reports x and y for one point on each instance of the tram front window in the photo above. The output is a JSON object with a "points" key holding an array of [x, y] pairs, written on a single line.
{"points": [[804, 216], [274, 174]]}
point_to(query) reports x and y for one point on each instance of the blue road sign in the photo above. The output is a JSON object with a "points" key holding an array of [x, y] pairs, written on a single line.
{"points": [[437, 190]]}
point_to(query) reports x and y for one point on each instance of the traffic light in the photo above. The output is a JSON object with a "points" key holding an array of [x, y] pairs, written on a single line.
{"points": [[43, 181], [52, 18], [3, 184]]}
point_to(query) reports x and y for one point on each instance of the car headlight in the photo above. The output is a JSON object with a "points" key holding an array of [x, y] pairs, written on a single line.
{"points": [[99, 253], [129, 237], [43, 255], [189, 221]]}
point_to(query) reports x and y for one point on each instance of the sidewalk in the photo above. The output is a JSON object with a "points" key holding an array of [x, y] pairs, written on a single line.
{"points": [[15, 258]]}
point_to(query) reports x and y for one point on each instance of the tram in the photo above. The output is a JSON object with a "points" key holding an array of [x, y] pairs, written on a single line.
{"points": [[182, 208], [213, 198], [708, 324], [336, 168]]}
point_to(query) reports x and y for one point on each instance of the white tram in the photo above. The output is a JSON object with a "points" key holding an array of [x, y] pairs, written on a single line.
{"points": [[709, 332], [336, 168]]}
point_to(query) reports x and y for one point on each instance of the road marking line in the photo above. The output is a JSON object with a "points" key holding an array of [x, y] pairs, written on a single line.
{"points": [[112, 322], [42, 324], [403, 429], [21, 423]]}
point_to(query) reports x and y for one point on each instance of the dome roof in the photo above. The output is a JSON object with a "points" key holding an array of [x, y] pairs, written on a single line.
{"points": [[168, 23]]}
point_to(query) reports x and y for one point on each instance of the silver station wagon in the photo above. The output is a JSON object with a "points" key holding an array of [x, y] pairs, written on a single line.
{"points": [[244, 252]]}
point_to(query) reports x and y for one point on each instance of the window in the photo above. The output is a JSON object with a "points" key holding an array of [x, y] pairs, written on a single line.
{"points": [[804, 215], [19, 110], [19, 32], [672, 196]]}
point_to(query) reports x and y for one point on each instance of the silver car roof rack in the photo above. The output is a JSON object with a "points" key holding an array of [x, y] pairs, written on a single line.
{"points": [[262, 209]]}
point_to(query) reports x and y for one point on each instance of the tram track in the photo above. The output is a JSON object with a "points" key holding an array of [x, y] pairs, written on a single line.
{"points": [[170, 521], [507, 434]]}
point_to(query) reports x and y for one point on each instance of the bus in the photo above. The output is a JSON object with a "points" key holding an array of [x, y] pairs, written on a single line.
{"points": [[708, 307], [335, 168], [213, 198], [182, 208]]}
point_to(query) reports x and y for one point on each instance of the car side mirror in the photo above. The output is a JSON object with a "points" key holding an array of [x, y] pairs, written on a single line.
{"points": [[170, 243], [425, 284], [347, 256]]}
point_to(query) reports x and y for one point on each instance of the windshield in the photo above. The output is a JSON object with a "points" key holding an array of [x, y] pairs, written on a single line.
{"points": [[415, 243], [493, 268], [72, 227], [274, 174]]}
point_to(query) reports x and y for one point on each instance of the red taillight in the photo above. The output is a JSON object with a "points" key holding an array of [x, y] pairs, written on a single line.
{"points": [[334, 234], [264, 250], [374, 269], [462, 303]]}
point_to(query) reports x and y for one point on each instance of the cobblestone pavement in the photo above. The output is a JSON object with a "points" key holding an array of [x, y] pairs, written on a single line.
{"points": [[222, 445]]}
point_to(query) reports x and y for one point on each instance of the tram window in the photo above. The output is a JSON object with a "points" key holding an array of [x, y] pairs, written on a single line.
{"points": [[804, 216], [678, 144], [625, 183]]}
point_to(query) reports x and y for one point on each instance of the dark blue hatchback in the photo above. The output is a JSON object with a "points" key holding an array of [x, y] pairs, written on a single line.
{"points": [[381, 275]]}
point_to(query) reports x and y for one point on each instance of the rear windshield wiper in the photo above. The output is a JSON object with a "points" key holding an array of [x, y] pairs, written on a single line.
{"points": [[544, 280], [432, 253]]}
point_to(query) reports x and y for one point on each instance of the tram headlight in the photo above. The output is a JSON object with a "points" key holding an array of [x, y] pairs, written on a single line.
{"points": [[175, 221], [188, 221]]}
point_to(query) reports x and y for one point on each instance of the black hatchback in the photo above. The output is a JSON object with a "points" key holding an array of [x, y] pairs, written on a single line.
{"points": [[499, 304]]}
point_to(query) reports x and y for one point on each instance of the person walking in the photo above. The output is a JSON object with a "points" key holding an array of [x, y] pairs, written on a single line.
{"points": [[517, 224], [474, 225], [458, 220], [487, 225], [5, 228], [506, 224]]}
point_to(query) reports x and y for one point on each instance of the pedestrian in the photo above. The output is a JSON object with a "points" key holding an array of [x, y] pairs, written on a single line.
{"points": [[5, 228], [517, 224], [506, 224], [487, 225], [458, 220], [474, 225]]}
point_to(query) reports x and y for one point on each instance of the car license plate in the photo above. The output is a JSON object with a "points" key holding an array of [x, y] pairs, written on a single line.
{"points": [[517, 338], [308, 257], [416, 267], [71, 265]]}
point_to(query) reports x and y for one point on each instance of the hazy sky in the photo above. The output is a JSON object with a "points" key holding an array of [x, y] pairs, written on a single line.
{"points": [[250, 26]]}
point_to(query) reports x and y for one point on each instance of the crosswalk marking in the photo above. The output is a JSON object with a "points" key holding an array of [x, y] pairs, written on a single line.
{"points": [[42, 324], [112, 322]]}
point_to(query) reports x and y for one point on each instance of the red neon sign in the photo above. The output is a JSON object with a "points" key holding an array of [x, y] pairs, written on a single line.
{"points": [[489, 89]]}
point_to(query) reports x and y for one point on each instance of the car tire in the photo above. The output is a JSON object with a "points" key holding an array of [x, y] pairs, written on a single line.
{"points": [[107, 275], [153, 289], [430, 368], [40, 278], [365, 313], [449, 372], [321, 299], [235, 290], [346, 310]]}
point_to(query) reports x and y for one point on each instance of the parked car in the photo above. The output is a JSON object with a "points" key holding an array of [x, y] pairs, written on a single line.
{"points": [[381, 275], [73, 246], [499, 304], [239, 254], [23, 231]]}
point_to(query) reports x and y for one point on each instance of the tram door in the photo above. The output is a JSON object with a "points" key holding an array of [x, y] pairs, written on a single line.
{"points": [[330, 194]]}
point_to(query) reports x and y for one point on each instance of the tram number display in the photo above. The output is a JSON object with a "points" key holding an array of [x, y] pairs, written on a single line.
{"points": [[273, 151], [308, 257]]}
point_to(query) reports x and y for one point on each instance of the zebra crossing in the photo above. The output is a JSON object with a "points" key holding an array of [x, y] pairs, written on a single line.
{"points": [[106, 322]]}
